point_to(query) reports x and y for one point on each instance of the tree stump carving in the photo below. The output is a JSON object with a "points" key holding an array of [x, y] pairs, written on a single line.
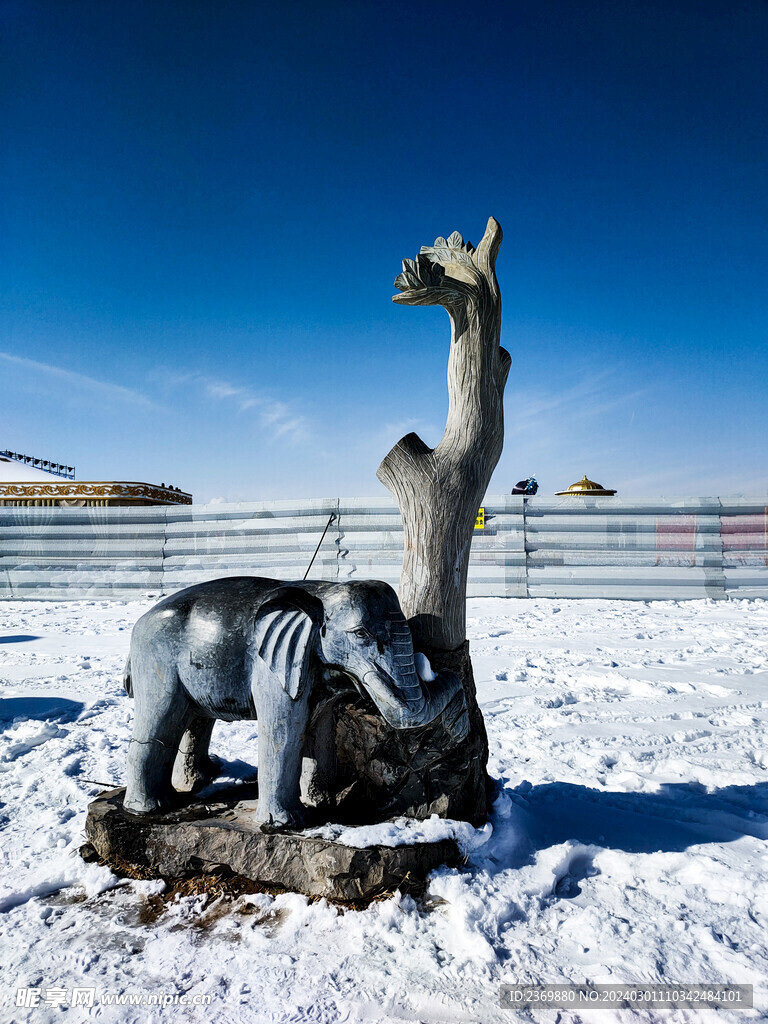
{"points": [[439, 491]]}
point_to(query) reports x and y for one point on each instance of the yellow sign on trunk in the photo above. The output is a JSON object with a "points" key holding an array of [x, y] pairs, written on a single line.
{"points": [[480, 521]]}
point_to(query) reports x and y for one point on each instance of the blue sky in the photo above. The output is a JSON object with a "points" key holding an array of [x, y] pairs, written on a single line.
{"points": [[203, 207]]}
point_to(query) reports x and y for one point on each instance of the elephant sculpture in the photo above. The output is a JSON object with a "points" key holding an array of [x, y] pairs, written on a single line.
{"points": [[255, 648]]}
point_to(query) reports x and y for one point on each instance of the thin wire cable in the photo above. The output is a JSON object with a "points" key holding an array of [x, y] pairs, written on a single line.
{"points": [[330, 520]]}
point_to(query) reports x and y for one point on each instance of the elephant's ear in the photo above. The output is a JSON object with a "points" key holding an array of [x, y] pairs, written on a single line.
{"points": [[282, 647]]}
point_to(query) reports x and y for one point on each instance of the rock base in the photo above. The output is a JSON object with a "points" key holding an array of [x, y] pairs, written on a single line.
{"points": [[221, 835]]}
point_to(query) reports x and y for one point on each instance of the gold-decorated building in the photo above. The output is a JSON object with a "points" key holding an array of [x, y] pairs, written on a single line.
{"points": [[25, 480]]}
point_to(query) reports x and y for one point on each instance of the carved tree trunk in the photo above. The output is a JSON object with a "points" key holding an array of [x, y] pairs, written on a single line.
{"points": [[385, 772], [440, 490]]}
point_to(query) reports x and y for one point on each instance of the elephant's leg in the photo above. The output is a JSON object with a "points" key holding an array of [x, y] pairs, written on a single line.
{"points": [[319, 762], [193, 768], [162, 712], [282, 726]]}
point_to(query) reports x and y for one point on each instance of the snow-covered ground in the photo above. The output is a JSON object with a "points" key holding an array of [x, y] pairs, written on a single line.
{"points": [[629, 836]]}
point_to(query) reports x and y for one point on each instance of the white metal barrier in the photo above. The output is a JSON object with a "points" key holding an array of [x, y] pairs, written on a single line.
{"points": [[540, 547]]}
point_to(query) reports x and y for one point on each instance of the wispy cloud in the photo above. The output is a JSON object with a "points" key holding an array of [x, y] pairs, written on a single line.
{"points": [[559, 433], [105, 389], [592, 396], [273, 415]]}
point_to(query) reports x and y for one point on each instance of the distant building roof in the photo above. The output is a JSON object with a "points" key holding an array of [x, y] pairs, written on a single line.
{"points": [[586, 488], [13, 469], [28, 481], [79, 493]]}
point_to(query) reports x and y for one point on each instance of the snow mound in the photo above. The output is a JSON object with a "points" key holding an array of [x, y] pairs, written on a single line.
{"points": [[406, 832]]}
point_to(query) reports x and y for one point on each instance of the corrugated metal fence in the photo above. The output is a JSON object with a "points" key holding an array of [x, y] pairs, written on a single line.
{"points": [[569, 547]]}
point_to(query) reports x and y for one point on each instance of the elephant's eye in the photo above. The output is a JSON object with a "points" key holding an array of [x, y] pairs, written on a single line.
{"points": [[361, 633]]}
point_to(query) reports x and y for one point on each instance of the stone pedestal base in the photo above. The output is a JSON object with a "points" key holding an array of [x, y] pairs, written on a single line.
{"points": [[222, 835]]}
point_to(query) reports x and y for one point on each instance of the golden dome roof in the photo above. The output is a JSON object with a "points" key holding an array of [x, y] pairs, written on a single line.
{"points": [[587, 488]]}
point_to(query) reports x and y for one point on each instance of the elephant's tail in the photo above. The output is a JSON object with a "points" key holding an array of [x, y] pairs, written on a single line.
{"points": [[127, 681]]}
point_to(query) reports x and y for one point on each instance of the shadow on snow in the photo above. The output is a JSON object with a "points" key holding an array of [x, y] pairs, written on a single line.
{"points": [[674, 818], [39, 708]]}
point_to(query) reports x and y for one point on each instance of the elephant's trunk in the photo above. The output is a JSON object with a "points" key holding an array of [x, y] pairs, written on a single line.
{"points": [[404, 700]]}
